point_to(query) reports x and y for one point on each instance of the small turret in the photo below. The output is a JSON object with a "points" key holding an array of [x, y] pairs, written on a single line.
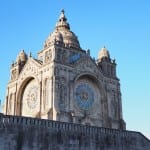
{"points": [[22, 57], [106, 64], [103, 54], [18, 65]]}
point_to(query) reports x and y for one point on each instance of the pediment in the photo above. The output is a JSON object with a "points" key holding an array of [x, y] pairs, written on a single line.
{"points": [[86, 64], [31, 68]]}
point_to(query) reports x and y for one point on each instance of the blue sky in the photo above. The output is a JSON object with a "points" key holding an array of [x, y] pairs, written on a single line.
{"points": [[123, 26]]}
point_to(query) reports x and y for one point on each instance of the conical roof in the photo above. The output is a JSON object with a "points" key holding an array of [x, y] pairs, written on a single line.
{"points": [[103, 53], [22, 56]]}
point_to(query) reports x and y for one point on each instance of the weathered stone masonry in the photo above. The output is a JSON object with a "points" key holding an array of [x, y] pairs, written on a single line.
{"points": [[65, 100], [64, 83], [24, 133]]}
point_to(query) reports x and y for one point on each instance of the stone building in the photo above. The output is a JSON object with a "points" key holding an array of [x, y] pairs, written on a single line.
{"points": [[65, 100], [65, 84]]}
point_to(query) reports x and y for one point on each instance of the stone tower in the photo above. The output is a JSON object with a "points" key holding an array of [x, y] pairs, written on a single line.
{"points": [[65, 84]]}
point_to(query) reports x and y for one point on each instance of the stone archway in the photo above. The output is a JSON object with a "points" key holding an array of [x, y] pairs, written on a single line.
{"points": [[87, 85], [28, 98]]}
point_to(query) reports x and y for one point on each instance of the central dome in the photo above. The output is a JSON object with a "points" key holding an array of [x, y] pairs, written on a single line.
{"points": [[62, 34]]}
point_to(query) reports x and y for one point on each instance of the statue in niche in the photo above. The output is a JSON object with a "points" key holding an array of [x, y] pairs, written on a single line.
{"points": [[48, 56], [14, 74]]}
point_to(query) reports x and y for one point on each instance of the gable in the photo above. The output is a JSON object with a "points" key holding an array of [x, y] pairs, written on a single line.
{"points": [[86, 64], [31, 68]]}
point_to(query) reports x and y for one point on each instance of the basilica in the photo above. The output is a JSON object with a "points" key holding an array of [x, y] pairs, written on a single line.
{"points": [[64, 83], [65, 100]]}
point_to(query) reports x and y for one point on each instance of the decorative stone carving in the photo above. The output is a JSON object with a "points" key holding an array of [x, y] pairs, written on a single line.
{"points": [[113, 104], [32, 97], [48, 56], [14, 74], [84, 96], [65, 65], [61, 55], [62, 93], [56, 71]]}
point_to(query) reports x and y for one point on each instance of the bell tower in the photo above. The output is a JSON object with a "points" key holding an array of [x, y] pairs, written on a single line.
{"points": [[107, 65]]}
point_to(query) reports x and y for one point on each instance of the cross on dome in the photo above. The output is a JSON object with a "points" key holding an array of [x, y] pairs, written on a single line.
{"points": [[62, 15], [62, 22]]}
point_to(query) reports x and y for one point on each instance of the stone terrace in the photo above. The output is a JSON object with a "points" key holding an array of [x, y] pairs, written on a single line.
{"points": [[24, 133]]}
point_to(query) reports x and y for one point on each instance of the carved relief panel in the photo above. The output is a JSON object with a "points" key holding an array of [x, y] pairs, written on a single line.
{"points": [[61, 55], [48, 56], [61, 91], [87, 98], [84, 95], [14, 74]]}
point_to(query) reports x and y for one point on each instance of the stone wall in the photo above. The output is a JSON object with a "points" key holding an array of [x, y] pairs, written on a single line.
{"points": [[24, 133]]}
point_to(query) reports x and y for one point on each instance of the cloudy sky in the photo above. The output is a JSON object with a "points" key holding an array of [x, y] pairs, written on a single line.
{"points": [[122, 26]]}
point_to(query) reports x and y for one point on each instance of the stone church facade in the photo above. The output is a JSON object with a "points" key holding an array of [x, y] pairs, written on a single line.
{"points": [[65, 100], [65, 84]]}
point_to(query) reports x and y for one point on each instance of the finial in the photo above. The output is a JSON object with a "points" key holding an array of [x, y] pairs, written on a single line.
{"points": [[62, 15], [62, 22], [114, 60], [63, 11], [30, 54], [88, 52], [12, 63]]}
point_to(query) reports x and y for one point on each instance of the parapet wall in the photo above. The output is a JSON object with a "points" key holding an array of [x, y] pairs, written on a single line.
{"points": [[23, 133]]}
